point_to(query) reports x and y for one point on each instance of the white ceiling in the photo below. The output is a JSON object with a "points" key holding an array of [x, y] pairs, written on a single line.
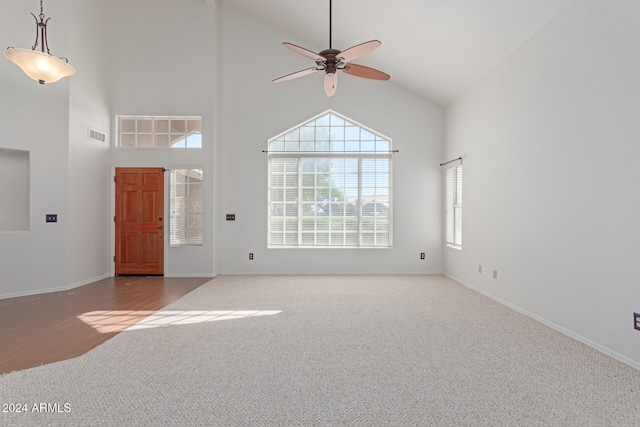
{"points": [[435, 48]]}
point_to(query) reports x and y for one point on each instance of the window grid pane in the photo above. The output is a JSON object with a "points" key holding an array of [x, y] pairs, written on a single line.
{"points": [[329, 201], [159, 132]]}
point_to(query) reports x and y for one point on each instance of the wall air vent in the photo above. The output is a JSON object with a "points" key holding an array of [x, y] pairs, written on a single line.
{"points": [[95, 135]]}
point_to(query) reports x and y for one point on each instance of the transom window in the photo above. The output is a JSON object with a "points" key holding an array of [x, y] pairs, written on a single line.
{"points": [[159, 132], [330, 185]]}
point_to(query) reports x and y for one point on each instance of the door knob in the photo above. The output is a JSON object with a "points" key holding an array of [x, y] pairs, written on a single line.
{"points": [[159, 227]]}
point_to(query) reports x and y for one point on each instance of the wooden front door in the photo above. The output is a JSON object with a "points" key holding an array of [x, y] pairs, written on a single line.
{"points": [[139, 221]]}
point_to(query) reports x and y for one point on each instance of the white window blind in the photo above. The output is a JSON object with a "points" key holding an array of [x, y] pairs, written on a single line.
{"points": [[330, 186], [454, 206], [185, 198]]}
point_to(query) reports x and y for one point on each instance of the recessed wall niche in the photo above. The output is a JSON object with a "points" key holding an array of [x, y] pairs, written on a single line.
{"points": [[14, 190]]}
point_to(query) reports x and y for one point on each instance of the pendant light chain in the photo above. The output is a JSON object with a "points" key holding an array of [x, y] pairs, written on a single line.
{"points": [[41, 31]]}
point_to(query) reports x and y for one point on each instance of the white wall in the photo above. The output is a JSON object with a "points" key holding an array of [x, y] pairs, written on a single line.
{"points": [[35, 118], [163, 63], [551, 176], [169, 58], [88, 166], [255, 109]]}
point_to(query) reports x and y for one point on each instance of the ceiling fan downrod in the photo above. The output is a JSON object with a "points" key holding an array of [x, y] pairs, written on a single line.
{"points": [[330, 15]]}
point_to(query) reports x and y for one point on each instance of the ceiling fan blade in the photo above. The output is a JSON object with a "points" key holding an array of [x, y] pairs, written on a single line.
{"points": [[366, 72], [359, 50], [304, 52], [295, 75], [330, 84]]}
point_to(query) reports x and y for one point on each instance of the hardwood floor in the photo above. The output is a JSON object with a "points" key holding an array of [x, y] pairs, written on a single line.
{"points": [[46, 328]]}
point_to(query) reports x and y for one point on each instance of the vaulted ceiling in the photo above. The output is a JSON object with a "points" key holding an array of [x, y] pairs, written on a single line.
{"points": [[435, 48]]}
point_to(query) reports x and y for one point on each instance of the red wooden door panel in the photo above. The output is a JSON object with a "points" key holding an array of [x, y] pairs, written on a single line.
{"points": [[139, 221]]}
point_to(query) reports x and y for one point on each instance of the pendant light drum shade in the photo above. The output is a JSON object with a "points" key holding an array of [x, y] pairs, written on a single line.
{"points": [[40, 66]]}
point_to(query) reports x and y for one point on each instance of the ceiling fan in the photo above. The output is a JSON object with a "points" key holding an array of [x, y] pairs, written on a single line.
{"points": [[331, 60]]}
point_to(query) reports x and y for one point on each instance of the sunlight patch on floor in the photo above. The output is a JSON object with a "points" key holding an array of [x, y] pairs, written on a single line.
{"points": [[117, 321]]}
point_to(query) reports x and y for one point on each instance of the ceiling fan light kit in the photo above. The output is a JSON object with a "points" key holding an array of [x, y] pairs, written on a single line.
{"points": [[333, 60], [41, 66]]}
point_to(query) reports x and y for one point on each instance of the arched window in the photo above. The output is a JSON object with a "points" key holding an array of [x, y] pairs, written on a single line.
{"points": [[330, 185]]}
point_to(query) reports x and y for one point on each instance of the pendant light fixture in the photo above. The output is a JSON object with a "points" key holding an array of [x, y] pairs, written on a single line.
{"points": [[41, 66]]}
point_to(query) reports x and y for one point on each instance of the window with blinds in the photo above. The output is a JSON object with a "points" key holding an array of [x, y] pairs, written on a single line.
{"points": [[159, 132], [329, 186], [185, 200], [454, 206]]}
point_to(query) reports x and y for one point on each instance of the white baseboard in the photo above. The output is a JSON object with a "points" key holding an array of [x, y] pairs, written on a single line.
{"points": [[577, 337], [191, 275], [86, 282], [370, 273], [50, 290]]}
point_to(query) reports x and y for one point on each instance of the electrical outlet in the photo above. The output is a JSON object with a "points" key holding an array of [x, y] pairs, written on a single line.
{"points": [[251, 255], [231, 217], [479, 268], [51, 218], [495, 274], [422, 255], [636, 321]]}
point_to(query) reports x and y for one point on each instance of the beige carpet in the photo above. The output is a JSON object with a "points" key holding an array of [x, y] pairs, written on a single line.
{"points": [[326, 351]]}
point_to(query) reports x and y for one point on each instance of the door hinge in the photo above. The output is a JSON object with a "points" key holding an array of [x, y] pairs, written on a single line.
{"points": [[114, 179], [114, 218], [114, 258]]}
